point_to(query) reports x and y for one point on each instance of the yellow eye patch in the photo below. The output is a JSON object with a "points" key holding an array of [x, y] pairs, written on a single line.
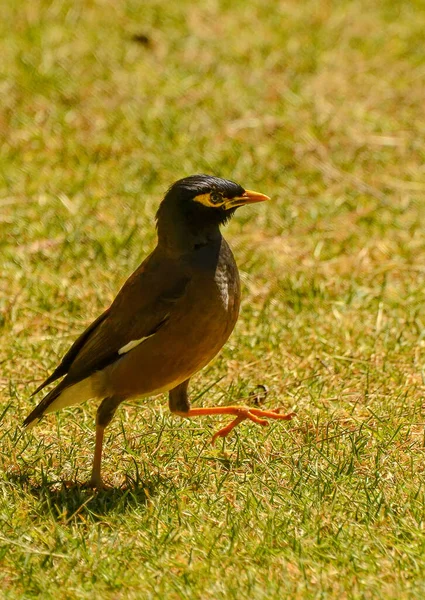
{"points": [[211, 199], [204, 199]]}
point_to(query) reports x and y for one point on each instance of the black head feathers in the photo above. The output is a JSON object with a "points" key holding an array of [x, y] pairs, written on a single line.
{"points": [[196, 206]]}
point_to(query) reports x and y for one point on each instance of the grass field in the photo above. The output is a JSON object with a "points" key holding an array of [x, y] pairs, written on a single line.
{"points": [[321, 106]]}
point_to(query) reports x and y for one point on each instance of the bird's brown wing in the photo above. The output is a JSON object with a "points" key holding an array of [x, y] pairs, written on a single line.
{"points": [[122, 326], [142, 306]]}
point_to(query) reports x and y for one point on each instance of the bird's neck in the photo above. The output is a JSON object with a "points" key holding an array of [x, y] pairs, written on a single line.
{"points": [[182, 236]]}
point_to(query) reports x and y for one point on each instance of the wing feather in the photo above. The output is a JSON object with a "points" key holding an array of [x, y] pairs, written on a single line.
{"points": [[143, 305], [68, 359]]}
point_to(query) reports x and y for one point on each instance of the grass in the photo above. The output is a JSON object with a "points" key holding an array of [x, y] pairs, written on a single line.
{"points": [[319, 105]]}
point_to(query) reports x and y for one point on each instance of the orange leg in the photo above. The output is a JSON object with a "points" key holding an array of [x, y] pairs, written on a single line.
{"points": [[96, 478], [241, 413], [105, 412]]}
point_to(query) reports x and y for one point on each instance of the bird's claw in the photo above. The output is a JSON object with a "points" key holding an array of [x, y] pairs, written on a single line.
{"points": [[254, 415]]}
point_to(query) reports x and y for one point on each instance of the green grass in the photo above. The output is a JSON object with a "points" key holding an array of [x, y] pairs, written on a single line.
{"points": [[321, 106]]}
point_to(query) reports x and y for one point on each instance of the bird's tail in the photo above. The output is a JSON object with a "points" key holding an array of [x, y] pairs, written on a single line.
{"points": [[64, 394], [41, 407]]}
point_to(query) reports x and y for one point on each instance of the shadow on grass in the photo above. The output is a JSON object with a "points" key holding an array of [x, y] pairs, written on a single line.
{"points": [[74, 502]]}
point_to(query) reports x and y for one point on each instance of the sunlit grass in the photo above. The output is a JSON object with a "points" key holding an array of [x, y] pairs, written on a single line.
{"points": [[319, 105]]}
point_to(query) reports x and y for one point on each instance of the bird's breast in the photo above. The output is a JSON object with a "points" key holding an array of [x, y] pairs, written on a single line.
{"points": [[223, 286], [227, 284], [199, 325]]}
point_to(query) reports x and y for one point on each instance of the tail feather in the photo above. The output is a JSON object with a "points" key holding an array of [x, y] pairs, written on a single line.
{"points": [[66, 394], [68, 359], [61, 370], [38, 411]]}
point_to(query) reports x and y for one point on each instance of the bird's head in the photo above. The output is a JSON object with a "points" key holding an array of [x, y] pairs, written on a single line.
{"points": [[203, 202]]}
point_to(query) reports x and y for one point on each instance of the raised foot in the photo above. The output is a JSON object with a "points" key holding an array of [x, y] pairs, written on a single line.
{"points": [[253, 414], [241, 412]]}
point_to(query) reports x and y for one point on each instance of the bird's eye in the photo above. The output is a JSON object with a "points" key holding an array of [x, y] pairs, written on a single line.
{"points": [[216, 197]]}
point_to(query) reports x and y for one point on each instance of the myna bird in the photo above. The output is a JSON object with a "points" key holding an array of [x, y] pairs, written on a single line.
{"points": [[168, 321]]}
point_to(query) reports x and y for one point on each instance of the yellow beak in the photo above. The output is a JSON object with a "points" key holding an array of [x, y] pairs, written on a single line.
{"points": [[249, 197]]}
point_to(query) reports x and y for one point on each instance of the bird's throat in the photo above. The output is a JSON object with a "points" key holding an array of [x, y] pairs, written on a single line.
{"points": [[181, 233]]}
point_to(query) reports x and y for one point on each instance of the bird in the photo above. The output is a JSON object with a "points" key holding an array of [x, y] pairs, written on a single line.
{"points": [[168, 321]]}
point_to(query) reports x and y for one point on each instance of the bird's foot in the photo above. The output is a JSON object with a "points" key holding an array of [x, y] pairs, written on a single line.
{"points": [[96, 483], [241, 413], [253, 414]]}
